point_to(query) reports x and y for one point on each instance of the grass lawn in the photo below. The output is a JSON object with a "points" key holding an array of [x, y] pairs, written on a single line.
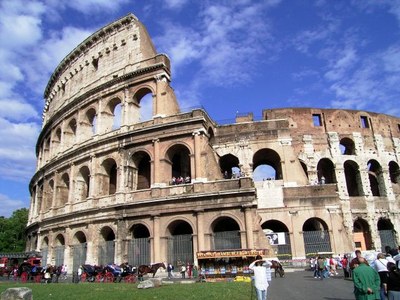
{"points": [[118, 291]]}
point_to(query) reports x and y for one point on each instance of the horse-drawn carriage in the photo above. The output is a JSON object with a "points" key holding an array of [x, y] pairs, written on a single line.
{"points": [[109, 273]]}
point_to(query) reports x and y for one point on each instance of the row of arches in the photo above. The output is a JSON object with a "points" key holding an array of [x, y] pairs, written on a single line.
{"points": [[317, 236], [224, 233], [74, 186], [98, 118], [266, 164]]}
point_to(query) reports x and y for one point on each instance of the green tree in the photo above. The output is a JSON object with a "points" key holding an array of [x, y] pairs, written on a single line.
{"points": [[12, 231]]}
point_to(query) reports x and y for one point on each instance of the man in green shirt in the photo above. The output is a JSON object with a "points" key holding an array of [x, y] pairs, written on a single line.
{"points": [[366, 281]]}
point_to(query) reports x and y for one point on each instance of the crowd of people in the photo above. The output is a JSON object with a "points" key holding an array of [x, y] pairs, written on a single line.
{"points": [[374, 279], [180, 180]]}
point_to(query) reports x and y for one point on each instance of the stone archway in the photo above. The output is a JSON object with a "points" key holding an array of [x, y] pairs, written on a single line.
{"points": [[316, 237], [362, 235], [139, 247], [180, 243], [282, 248]]}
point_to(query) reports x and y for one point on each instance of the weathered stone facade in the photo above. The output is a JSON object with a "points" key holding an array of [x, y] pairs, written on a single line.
{"points": [[103, 189]]}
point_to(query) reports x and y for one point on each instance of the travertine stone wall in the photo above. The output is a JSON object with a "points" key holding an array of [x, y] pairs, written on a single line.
{"points": [[102, 173]]}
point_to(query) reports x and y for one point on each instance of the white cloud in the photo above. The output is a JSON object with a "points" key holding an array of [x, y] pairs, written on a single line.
{"points": [[16, 110], [8, 206], [342, 64], [90, 7], [223, 45], [175, 4], [17, 154]]}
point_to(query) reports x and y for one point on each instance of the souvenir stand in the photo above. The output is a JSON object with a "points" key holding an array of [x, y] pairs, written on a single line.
{"points": [[227, 264]]}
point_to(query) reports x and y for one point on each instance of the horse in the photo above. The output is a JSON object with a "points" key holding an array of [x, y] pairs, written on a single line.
{"points": [[277, 266], [144, 269]]}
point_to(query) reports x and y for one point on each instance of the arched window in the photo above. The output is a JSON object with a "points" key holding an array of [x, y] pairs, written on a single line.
{"points": [[376, 180], [353, 178], [267, 165], [347, 146], [326, 171], [229, 165]]}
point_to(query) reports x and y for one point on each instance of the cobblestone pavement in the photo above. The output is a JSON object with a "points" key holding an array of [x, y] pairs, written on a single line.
{"points": [[303, 286]]}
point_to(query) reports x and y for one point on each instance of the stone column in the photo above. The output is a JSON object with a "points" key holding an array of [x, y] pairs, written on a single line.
{"points": [[200, 230], [92, 179], [71, 191], [156, 244], [156, 162], [197, 154], [249, 226]]}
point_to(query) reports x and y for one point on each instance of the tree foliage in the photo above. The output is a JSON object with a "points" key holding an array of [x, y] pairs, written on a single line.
{"points": [[12, 231]]}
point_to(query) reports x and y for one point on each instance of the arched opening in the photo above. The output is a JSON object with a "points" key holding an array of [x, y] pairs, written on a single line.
{"points": [[326, 171], [70, 134], [108, 184], [211, 136], [362, 235], [59, 250], [142, 170], [316, 237], [180, 243], [57, 140], [82, 185], [269, 163], [79, 249], [229, 165], [179, 158], [106, 247], [394, 174], [347, 146], [304, 167], [49, 195], [143, 101], [278, 236], [226, 234], [139, 246], [376, 180], [91, 119], [114, 109], [44, 250], [387, 234], [63, 190], [353, 179]]}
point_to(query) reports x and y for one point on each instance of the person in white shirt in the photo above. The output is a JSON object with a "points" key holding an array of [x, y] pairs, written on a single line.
{"points": [[260, 267]]}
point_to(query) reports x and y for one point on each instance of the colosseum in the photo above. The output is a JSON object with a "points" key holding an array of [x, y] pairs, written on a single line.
{"points": [[115, 183]]}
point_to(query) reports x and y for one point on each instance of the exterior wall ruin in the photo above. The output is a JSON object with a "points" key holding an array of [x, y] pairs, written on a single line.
{"points": [[107, 182]]}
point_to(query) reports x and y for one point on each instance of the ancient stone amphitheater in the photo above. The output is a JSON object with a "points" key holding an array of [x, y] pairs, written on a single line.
{"points": [[115, 184]]}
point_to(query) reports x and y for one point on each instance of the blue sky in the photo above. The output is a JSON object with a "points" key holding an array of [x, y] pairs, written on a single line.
{"points": [[227, 56]]}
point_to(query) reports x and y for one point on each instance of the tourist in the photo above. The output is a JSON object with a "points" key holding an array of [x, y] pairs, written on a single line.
{"points": [[183, 271], [380, 265], [170, 268], [345, 266], [392, 286], [366, 281], [259, 267]]}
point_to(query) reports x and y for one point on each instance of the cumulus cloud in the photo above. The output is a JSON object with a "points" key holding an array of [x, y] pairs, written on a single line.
{"points": [[223, 45], [7, 205], [88, 7], [175, 4], [17, 150]]}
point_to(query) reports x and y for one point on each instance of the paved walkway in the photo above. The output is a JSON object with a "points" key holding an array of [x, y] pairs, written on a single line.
{"points": [[302, 285]]}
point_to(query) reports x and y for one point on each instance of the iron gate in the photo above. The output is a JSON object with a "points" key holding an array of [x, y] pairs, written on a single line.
{"points": [[388, 238], [106, 251], [285, 251], [226, 240], [316, 241], [59, 254], [79, 255], [44, 252], [180, 249], [139, 251]]}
